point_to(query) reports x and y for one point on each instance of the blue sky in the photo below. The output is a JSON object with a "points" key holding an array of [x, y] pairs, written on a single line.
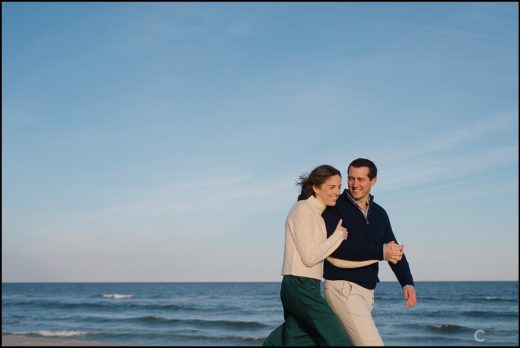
{"points": [[162, 141]]}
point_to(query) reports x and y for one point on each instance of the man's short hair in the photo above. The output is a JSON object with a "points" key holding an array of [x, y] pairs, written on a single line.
{"points": [[363, 162]]}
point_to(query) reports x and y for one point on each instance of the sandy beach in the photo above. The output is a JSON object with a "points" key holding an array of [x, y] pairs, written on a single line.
{"points": [[19, 340]]}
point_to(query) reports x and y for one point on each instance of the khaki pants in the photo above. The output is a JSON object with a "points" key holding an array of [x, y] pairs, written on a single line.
{"points": [[353, 305]]}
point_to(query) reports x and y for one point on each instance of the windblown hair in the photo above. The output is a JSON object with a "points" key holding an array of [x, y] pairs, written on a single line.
{"points": [[363, 162], [316, 178]]}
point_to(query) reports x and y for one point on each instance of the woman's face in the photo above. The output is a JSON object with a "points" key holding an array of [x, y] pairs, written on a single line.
{"points": [[329, 191]]}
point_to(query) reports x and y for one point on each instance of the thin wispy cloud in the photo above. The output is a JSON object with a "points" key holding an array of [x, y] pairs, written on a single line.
{"points": [[431, 169], [492, 127]]}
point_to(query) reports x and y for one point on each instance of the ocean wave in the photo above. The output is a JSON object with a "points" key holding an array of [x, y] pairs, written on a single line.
{"points": [[424, 339], [54, 304], [463, 298], [19, 302], [138, 306], [499, 299], [227, 338], [230, 324], [119, 305], [71, 305], [422, 298], [61, 333], [485, 314], [398, 297], [485, 299], [193, 337], [449, 328], [46, 333], [117, 296]]}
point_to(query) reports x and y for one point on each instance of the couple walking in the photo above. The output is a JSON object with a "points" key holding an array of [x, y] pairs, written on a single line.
{"points": [[341, 238]]}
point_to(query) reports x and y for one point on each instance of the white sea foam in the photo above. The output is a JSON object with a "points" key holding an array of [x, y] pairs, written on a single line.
{"points": [[117, 296], [499, 298], [61, 333]]}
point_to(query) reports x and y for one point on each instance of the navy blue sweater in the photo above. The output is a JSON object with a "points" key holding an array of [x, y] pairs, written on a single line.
{"points": [[365, 242]]}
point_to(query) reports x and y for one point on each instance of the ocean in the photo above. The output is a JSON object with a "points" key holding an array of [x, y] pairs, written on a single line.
{"points": [[243, 314]]}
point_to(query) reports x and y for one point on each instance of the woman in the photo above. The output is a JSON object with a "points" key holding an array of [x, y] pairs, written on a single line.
{"points": [[308, 318]]}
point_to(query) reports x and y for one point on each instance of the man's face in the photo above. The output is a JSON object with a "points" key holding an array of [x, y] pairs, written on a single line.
{"points": [[359, 184]]}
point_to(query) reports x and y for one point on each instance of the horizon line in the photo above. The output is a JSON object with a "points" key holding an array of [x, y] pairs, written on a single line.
{"points": [[230, 281]]}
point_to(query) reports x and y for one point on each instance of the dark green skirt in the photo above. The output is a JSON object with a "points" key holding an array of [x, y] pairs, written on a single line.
{"points": [[309, 321]]}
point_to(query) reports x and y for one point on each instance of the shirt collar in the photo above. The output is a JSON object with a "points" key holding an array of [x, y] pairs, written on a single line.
{"points": [[369, 199]]}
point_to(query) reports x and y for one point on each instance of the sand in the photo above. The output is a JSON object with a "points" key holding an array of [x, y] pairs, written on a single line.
{"points": [[19, 340]]}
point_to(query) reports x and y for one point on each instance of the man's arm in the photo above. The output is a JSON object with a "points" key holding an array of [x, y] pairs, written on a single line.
{"points": [[353, 251], [401, 269]]}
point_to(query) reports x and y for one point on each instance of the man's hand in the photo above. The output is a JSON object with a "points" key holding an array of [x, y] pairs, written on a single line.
{"points": [[393, 252], [409, 296]]}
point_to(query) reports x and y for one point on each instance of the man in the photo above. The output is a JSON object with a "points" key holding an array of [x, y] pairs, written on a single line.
{"points": [[350, 292]]}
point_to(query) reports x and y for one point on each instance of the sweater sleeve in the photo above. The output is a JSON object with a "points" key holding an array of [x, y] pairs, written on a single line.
{"points": [[312, 246], [349, 264]]}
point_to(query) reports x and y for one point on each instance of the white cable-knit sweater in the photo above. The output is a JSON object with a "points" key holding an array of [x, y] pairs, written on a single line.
{"points": [[306, 242]]}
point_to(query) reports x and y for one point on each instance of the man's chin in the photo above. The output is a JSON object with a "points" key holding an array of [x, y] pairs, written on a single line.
{"points": [[356, 195]]}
